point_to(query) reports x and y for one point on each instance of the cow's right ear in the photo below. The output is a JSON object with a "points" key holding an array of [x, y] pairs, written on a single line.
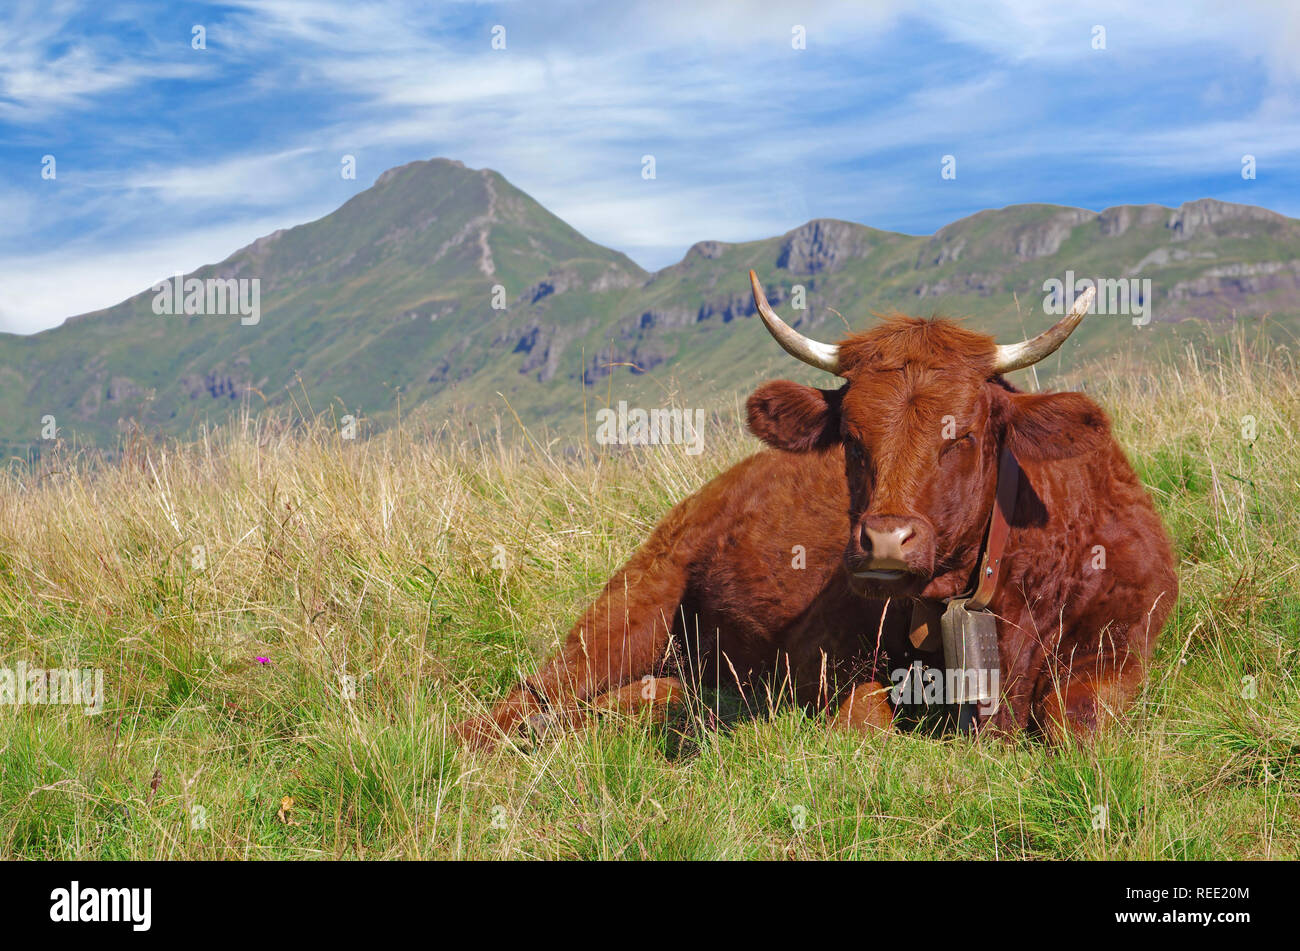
{"points": [[794, 417]]}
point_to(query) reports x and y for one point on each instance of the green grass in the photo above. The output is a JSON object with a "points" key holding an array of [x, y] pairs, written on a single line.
{"points": [[366, 573]]}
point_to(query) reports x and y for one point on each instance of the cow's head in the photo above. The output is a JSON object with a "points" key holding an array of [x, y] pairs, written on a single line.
{"points": [[922, 416]]}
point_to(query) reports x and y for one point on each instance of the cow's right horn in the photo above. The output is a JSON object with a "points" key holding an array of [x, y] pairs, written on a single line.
{"points": [[823, 356]]}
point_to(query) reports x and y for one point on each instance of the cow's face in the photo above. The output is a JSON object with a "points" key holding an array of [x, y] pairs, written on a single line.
{"points": [[921, 419]]}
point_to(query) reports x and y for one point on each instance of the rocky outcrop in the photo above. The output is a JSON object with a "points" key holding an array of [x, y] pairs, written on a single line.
{"points": [[216, 384], [1017, 242], [1234, 282], [666, 318], [1218, 218], [707, 250], [613, 278], [640, 358], [729, 308], [1114, 222], [122, 388], [542, 345], [972, 283], [821, 245], [1045, 239]]}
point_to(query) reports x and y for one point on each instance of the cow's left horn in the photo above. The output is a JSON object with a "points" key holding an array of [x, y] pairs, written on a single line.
{"points": [[1017, 356], [823, 356]]}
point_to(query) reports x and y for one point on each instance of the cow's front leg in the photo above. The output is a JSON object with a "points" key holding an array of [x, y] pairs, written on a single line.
{"points": [[621, 638], [657, 695], [1085, 704], [865, 710]]}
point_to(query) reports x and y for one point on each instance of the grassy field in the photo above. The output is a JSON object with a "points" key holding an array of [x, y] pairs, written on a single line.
{"points": [[282, 614]]}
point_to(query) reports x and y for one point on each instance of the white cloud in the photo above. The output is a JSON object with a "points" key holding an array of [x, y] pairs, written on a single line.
{"points": [[40, 291], [745, 131], [42, 73], [265, 179]]}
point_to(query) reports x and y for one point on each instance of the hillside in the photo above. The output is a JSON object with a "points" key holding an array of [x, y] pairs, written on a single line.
{"points": [[231, 588], [387, 303]]}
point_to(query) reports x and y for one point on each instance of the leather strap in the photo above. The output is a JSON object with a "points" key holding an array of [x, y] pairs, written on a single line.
{"points": [[1004, 504], [926, 613], [926, 634]]}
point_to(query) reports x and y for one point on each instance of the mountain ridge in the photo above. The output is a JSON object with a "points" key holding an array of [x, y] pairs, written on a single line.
{"points": [[398, 292]]}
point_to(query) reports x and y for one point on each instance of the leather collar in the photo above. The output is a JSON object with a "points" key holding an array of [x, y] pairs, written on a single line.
{"points": [[926, 612], [995, 542]]}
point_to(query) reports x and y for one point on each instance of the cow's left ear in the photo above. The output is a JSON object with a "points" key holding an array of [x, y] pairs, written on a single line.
{"points": [[1045, 426]]}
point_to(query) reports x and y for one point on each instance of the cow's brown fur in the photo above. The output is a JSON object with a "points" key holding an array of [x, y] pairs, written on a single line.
{"points": [[912, 435]]}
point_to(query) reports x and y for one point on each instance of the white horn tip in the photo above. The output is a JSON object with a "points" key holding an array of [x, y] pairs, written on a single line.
{"points": [[1017, 356]]}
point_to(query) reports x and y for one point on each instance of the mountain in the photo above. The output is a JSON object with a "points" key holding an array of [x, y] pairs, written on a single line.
{"points": [[388, 303]]}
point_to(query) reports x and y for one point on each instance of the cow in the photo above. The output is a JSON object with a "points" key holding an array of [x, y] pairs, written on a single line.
{"points": [[817, 566]]}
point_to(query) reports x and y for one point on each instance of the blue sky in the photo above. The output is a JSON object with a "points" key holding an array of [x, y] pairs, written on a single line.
{"points": [[168, 157]]}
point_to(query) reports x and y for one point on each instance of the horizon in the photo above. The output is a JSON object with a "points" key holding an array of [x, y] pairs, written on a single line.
{"points": [[651, 272], [167, 157]]}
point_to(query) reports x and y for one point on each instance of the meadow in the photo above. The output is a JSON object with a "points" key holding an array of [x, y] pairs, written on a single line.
{"points": [[289, 622]]}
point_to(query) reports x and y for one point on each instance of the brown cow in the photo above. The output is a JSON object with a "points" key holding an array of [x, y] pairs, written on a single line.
{"points": [[760, 579]]}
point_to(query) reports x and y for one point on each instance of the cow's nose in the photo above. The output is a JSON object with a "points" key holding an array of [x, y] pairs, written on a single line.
{"points": [[888, 541]]}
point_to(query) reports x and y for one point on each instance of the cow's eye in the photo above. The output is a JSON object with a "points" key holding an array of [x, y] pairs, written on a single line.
{"points": [[854, 452], [966, 440]]}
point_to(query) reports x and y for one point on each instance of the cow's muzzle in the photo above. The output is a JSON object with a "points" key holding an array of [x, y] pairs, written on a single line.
{"points": [[892, 547]]}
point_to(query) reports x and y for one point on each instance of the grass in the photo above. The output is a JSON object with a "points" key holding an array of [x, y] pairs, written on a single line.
{"points": [[284, 614]]}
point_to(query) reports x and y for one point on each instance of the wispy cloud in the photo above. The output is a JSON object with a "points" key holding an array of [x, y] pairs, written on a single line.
{"points": [[266, 179], [39, 284], [47, 66], [161, 146]]}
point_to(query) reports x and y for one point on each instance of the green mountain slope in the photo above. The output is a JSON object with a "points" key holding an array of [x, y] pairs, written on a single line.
{"points": [[388, 303]]}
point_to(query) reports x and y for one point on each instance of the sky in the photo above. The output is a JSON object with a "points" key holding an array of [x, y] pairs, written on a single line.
{"points": [[169, 153]]}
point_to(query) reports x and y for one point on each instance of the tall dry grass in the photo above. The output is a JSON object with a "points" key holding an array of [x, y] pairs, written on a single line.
{"points": [[282, 612]]}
